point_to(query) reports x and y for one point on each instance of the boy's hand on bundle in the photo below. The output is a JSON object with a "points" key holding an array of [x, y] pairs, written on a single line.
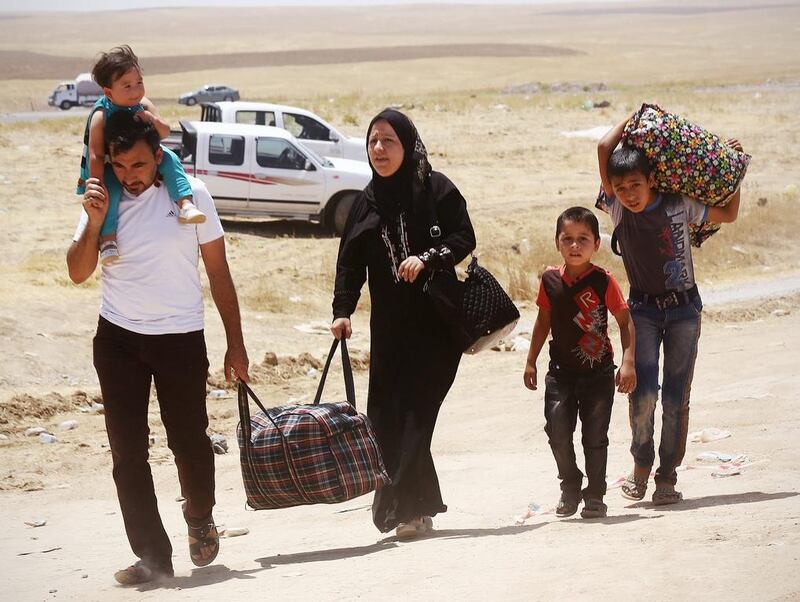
{"points": [[530, 375], [626, 378], [734, 144]]}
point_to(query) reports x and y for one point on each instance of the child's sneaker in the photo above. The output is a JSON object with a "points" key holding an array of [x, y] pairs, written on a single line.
{"points": [[109, 252], [567, 505], [594, 508], [190, 214]]}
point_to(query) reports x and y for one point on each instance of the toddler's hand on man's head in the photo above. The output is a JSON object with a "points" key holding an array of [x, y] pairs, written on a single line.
{"points": [[144, 116]]}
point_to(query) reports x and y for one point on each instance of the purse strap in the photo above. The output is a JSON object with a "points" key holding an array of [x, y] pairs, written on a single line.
{"points": [[433, 219], [347, 369]]}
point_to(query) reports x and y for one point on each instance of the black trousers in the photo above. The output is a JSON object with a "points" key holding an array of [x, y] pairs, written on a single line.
{"points": [[591, 397], [126, 362]]}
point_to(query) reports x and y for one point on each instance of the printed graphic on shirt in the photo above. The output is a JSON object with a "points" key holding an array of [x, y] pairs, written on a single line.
{"points": [[591, 319], [677, 269], [655, 243]]}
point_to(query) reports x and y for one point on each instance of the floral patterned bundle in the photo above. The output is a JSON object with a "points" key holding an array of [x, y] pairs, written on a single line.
{"points": [[687, 159]]}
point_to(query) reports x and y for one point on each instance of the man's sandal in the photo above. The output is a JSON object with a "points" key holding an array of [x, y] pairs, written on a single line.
{"points": [[634, 488], [662, 497], [203, 537]]}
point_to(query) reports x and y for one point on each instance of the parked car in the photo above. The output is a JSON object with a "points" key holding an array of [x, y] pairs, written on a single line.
{"points": [[310, 129], [208, 93], [253, 170]]}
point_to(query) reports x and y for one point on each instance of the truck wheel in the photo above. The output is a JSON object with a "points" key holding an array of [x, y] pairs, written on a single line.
{"points": [[338, 216], [190, 102], [227, 99], [65, 105]]}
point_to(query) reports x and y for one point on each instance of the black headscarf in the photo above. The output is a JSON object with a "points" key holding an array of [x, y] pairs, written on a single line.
{"points": [[406, 190]]}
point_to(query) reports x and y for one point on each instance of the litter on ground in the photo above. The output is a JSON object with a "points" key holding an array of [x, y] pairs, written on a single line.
{"points": [[708, 434], [531, 511], [314, 328]]}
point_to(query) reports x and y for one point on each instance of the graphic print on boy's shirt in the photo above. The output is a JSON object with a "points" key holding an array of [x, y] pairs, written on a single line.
{"points": [[579, 317], [676, 271], [655, 243], [592, 320]]}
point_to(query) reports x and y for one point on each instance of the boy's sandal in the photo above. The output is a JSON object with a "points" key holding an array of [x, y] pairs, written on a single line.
{"points": [[634, 488], [567, 506], [203, 538], [594, 508], [662, 497]]}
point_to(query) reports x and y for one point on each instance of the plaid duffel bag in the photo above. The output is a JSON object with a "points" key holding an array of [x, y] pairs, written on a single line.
{"points": [[322, 453]]}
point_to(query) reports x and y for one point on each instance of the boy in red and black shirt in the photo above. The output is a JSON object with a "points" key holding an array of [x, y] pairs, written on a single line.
{"points": [[574, 301]]}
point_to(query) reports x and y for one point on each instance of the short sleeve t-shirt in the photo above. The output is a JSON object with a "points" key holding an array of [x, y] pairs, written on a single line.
{"points": [[154, 287], [579, 317], [655, 243]]}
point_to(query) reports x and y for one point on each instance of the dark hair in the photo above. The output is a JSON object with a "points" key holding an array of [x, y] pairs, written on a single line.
{"points": [[114, 64], [579, 215], [122, 131], [625, 160]]}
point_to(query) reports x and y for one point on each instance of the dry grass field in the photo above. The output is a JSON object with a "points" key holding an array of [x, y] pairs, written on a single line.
{"points": [[729, 66]]}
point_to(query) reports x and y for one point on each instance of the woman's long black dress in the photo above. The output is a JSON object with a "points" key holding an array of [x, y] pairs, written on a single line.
{"points": [[413, 360]]}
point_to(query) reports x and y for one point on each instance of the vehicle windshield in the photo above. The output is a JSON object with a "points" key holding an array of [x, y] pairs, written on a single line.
{"points": [[323, 160]]}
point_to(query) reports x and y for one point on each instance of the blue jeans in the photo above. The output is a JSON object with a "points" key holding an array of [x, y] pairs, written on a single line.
{"points": [[678, 329]]}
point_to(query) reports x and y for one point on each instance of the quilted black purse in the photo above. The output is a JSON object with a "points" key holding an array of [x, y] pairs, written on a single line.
{"points": [[477, 311]]}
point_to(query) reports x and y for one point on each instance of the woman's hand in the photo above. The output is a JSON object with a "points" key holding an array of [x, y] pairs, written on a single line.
{"points": [[410, 268], [341, 328]]}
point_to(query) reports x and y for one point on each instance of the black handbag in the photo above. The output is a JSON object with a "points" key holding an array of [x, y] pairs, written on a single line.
{"points": [[477, 312]]}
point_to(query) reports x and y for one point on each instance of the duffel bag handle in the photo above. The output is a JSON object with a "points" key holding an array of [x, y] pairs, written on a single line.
{"points": [[244, 410], [349, 386]]}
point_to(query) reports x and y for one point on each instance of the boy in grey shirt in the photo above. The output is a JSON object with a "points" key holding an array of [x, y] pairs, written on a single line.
{"points": [[653, 231]]}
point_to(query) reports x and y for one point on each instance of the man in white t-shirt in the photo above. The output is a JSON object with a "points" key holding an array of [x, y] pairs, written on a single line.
{"points": [[151, 328]]}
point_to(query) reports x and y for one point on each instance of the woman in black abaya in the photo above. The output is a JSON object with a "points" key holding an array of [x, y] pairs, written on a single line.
{"points": [[409, 221]]}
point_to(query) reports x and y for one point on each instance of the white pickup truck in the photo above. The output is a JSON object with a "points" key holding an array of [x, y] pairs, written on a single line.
{"points": [[311, 130], [255, 170]]}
